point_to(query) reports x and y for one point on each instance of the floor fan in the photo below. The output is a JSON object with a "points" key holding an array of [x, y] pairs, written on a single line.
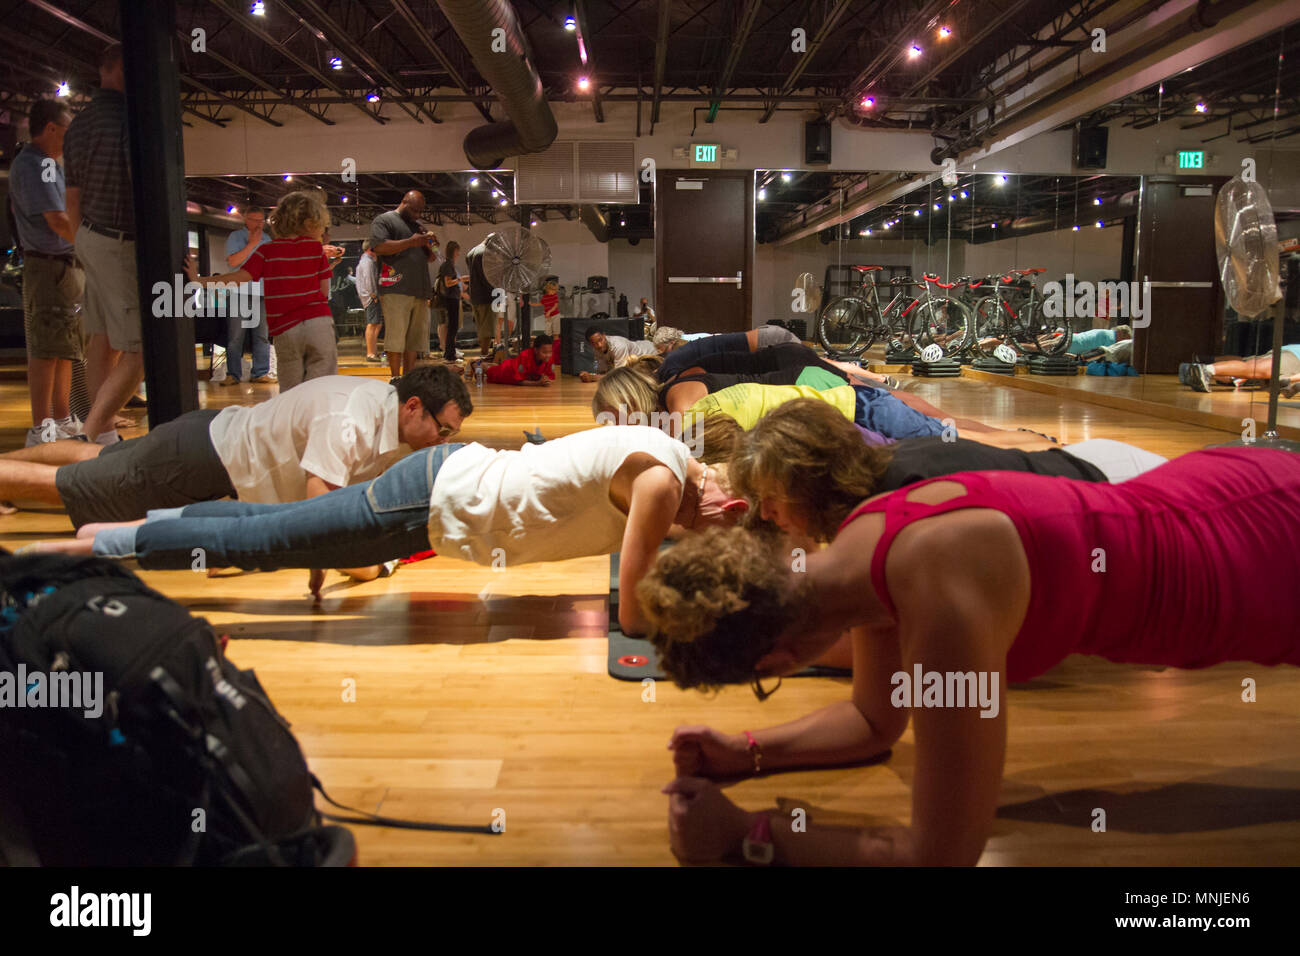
{"points": [[812, 293], [1245, 238], [516, 260]]}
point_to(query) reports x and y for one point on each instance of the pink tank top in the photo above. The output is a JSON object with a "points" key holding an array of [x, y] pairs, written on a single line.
{"points": [[1190, 565]]}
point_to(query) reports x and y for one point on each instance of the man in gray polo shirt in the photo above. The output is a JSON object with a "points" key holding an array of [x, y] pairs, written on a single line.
{"points": [[100, 202], [52, 280], [406, 250]]}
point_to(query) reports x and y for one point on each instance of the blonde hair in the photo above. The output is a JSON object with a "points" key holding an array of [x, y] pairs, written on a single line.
{"points": [[720, 439], [645, 364], [666, 338], [717, 602], [626, 388], [300, 213]]}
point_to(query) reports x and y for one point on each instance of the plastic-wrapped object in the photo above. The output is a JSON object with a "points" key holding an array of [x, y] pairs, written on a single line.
{"points": [[1245, 238]]}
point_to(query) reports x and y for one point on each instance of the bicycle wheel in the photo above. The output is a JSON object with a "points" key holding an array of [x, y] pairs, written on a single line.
{"points": [[989, 320], [942, 322], [844, 326], [1059, 330]]}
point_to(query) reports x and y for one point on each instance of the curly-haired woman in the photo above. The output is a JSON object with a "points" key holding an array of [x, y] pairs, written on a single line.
{"points": [[967, 581]]}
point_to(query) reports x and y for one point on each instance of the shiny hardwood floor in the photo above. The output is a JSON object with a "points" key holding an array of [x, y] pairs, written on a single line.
{"points": [[480, 690]]}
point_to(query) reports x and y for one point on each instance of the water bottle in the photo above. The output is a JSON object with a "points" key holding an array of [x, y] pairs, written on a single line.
{"points": [[478, 373]]}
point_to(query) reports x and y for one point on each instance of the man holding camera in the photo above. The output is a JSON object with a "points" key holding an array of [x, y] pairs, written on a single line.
{"points": [[406, 249]]}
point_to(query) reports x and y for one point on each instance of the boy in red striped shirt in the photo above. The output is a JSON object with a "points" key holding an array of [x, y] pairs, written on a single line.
{"points": [[295, 275]]}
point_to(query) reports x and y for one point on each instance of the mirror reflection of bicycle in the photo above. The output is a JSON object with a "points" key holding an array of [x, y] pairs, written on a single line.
{"points": [[849, 324], [1012, 314]]}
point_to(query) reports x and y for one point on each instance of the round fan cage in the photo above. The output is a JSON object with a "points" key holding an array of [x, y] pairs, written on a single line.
{"points": [[1245, 238], [812, 291], [516, 260]]}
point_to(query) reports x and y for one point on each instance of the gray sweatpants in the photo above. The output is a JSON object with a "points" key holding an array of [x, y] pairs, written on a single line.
{"points": [[306, 351]]}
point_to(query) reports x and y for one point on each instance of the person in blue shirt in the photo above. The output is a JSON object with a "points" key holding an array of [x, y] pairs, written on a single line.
{"points": [[53, 281], [240, 244], [1094, 340]]}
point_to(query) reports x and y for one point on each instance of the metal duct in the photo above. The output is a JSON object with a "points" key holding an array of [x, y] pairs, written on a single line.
{"points": [[594, 219], [531, 127]]}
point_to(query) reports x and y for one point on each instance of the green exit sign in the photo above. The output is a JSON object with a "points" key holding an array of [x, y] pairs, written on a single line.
{"points": [[1191, 159], [706, 154]]}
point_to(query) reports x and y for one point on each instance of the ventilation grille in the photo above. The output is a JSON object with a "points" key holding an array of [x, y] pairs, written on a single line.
{"points": [[546, 176], [578, 172]]}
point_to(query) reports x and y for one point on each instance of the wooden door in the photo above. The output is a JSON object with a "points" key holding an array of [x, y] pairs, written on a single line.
{"points": [[704, 250]]}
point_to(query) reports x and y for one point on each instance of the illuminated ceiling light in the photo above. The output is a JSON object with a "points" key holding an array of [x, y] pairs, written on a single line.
{"points": [[533, 223], [868, 232], [583, 83], [994, 226], [762, 194], [64, 90], [785, 177], [504, 201], [258, 9], [1202, 108], [231, 210], [372, 98], [916, 212], [1076, 228], [570, 24], [963, 194], [288, 177], [936, 207], [888, 224], [345, 199], [1097, 201], [496, 193], [1100, 223], [473, 180], [944, 32], [336, 63], [1001, 180], [951, 198], [913, 51], [868, 102]]}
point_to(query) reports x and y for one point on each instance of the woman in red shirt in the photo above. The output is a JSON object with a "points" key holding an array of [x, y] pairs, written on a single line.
{"points": [[531, 367], [295, 274]]}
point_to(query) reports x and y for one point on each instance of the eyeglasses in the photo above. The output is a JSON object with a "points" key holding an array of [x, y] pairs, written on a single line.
{"points": [[759, 692], [444, 431]]}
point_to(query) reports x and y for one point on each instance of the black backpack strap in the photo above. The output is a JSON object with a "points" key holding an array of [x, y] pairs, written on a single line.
{"points": [[375, 820]]}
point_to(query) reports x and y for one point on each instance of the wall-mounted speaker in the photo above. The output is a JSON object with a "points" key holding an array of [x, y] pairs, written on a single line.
{"points": [[817, 142], [1090, 147]]}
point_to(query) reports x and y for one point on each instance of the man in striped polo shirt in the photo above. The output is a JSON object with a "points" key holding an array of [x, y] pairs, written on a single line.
{"points": [[99, 200]]}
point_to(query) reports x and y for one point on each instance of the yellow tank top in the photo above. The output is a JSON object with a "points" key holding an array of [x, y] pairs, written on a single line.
{"points": [[749, 402]]}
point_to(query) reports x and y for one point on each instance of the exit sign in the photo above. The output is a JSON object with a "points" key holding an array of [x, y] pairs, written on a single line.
{"points": [[1191, 159], [706, 155]]}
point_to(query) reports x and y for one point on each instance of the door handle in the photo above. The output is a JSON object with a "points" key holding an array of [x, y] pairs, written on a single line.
{"points": [[738, 279]]}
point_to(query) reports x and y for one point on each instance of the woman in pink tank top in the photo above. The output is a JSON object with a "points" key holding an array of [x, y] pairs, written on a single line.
{"points": [[950, 589]]}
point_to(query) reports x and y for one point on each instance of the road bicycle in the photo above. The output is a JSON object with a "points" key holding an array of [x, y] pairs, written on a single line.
{"points": [[1011, 313], [849, 324]]}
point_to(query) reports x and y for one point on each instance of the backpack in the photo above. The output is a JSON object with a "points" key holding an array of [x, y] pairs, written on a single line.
{"points": [[137, 742], [126, 735]]}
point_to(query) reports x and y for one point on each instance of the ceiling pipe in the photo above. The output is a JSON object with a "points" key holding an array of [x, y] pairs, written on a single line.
{"points": [[511, 74]]}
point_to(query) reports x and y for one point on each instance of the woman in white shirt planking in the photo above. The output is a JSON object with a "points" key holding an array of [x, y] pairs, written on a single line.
{"points": [[614, 488]]}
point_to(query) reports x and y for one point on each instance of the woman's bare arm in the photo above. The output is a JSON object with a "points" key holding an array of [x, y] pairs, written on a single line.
{"points": [[656, 495]]}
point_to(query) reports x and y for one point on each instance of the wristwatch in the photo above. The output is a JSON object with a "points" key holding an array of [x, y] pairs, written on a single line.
{"points": [[758, 847]]}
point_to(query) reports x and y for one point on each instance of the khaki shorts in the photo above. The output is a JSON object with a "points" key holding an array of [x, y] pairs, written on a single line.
{"points": [[51, 300], [112, 290], [406, 323], [485, 321]]}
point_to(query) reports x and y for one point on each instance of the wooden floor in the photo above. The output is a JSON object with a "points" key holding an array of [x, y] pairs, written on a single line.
{"points": [[479, 691]]}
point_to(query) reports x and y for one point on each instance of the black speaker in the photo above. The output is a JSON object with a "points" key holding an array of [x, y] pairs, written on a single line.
{"points": [[817, 142], [575, 351], [1090, 147]]}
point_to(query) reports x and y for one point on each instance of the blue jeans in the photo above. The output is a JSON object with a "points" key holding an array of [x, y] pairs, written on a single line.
{"points": [[353, 527], [879, 411], [235, 346]]}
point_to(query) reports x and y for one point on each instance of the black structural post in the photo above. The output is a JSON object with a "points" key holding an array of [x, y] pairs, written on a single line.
{"points": [[158, 182]]}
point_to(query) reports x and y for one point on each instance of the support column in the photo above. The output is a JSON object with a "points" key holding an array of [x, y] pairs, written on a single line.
{"points": [[158, 184]]}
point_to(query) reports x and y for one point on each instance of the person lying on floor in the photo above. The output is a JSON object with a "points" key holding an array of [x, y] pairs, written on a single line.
{"points": [[952, 589], [594, 492], [611, 350], [1227, 368], [785, 357], [533, 366], [323, 434], [686, 355], [887, 416]]}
